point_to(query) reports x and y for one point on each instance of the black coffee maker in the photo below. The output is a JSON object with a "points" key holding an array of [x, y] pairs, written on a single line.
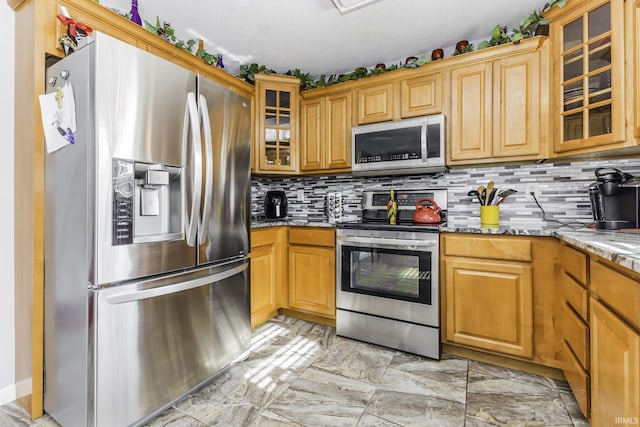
{"points": [[275, 204], [615, 199]]}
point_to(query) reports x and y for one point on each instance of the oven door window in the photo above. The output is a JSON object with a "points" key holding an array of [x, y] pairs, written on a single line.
{"points": [[391, 273]]}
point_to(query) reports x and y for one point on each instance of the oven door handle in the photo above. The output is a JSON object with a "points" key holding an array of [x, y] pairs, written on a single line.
{"points": [[387, 243]]}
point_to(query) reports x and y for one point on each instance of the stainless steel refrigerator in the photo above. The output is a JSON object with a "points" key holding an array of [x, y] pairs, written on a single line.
{"points": [[146, 236]]}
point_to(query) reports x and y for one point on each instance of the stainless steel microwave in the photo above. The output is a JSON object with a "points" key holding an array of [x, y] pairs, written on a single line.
{"points": [[406, 146]]}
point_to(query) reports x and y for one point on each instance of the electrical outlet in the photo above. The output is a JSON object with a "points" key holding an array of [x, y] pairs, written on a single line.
{"points": [[532, 187], [301, 195]]}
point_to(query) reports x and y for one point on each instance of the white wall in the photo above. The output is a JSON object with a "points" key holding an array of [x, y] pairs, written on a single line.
{"points": [[7, 318]]}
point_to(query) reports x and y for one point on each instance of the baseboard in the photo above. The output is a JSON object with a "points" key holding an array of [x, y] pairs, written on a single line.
{"points": [[23, 388], [7, 394], [504, 361], [309, 317]]}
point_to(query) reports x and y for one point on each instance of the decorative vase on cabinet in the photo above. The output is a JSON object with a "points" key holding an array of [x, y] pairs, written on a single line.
{"points": [[135, 16]]}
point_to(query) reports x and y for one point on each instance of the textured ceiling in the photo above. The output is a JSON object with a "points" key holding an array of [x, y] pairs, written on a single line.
{"points": [[313, 36]]}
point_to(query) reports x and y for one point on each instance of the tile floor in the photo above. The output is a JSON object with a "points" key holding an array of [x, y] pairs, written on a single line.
{"points": [[301, 374]]}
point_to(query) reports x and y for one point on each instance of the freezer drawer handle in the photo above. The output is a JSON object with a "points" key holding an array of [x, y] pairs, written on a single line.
{"points": [[171, 289]]}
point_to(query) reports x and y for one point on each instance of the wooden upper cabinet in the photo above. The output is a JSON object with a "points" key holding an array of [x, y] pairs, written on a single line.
{"points": [[516, 105], [326, 133], [420, 96], [338, 131], [375, 103], [471, 113], [496, 107], [588, 94], [413, 93], [312, 134], [276, 138]]}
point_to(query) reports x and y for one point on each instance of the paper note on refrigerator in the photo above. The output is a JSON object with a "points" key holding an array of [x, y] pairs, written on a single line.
{"points": [[58, 111]]}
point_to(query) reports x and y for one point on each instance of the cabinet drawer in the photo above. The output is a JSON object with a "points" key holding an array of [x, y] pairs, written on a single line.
{"points": [[577, 378], [575, 295], [576, 334], [263, 237], [312, 236], [618, 291], [510, 249], [575, 263]]}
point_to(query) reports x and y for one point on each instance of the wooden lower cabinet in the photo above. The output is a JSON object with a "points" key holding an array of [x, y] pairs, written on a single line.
{"points": [[293, 271], [615, 369], [499, 296], [573, 317], [312, 271], [267, 273], [489, 305]]}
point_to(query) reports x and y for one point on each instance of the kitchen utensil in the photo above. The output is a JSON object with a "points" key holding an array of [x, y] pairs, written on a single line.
{"points": [[483, 194], [490, 187], [474, 193], [491, 197], [501, 195], [506, 192], [427, 214]]}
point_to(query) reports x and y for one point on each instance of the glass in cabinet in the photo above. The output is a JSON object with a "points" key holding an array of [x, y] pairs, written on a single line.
{"points": [[277, 111], [589, 76]]}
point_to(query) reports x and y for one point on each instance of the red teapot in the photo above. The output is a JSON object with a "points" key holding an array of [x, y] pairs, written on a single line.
{"points": [[427, 214]]}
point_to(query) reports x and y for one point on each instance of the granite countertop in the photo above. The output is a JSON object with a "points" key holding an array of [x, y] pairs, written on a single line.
{"points": [[302, 221], [620, 247]]}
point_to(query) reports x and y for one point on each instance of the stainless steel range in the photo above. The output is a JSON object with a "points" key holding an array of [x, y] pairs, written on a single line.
{"points": [[387, 279]]}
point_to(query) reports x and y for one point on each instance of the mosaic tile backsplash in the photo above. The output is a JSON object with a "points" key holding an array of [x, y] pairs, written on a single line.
{"points": [[562, 191]]}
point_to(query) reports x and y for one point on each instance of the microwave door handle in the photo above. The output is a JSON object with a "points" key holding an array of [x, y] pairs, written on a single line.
{"points": [[191, 122], [423, 142], [208, 187]]}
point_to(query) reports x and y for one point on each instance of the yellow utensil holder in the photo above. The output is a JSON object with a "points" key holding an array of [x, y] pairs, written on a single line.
{"points": [[489, 216]]}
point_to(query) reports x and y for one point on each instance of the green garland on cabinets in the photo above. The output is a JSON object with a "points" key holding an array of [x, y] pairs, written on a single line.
{"points": [[500, 35]]}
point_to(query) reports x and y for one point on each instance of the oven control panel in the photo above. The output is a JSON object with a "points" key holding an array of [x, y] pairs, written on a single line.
{"points": [[377, 200]]}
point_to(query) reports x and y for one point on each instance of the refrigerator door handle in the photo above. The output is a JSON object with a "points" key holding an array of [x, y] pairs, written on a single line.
{"points": [[208, 187], [191, 121], [126, 297]]}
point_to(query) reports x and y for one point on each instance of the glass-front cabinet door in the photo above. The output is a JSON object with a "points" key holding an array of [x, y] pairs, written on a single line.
{"points": [[589, 75], [277, 117]]}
